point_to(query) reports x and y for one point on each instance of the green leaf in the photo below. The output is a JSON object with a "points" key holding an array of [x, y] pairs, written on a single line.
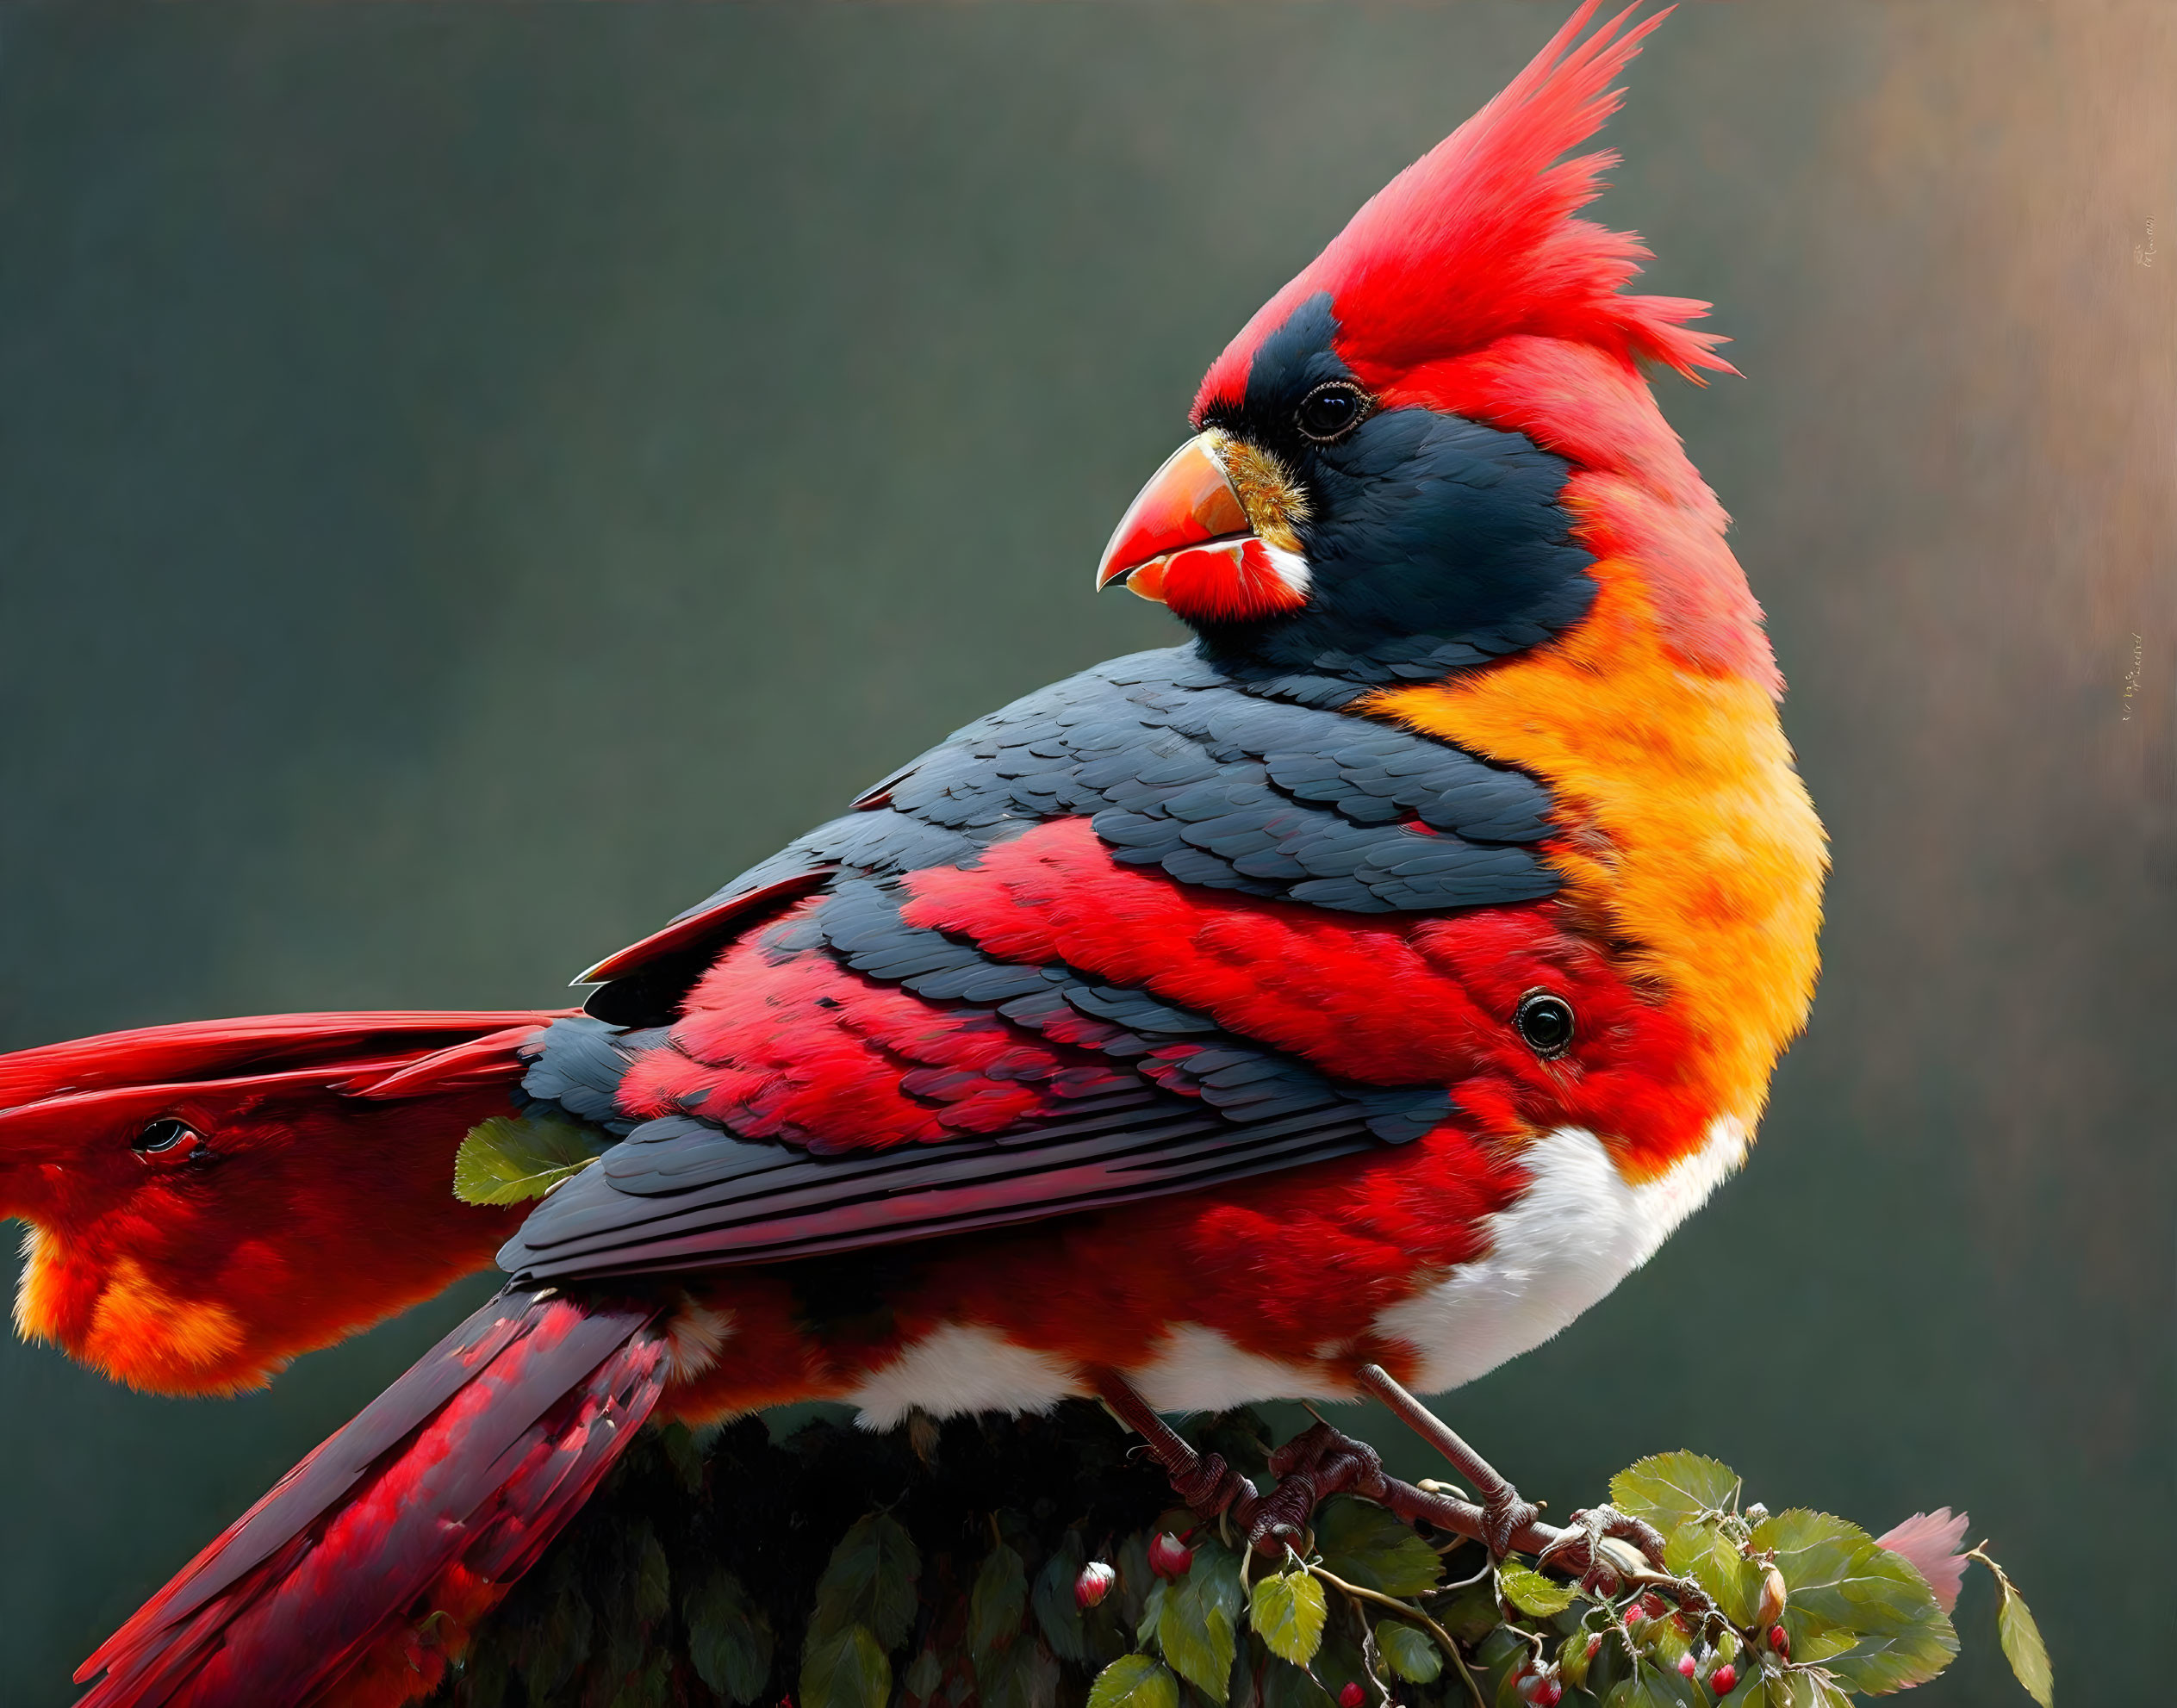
{"points": [[509, 1159], [678, 1443], [1532, 1594], [1803, 1687], [1501, 1657], [485, 1678], [1217, 1570], [1700, 1549], [1668, 1489], [1410, 1651], [996, 1604], [1019, 1675], [1339, 1662], [1818, 1643], [729, 1638], [563, 1637], [924, 1677], [1194, 1626], [1364, 1544], [1285, 1686], [1133, 1681], [1654, 1686], [848, 1670], [870, 1581], [1471, 1615], [1057, 1614], [1135, 1578], [1572, 1655], [653, 1580], [1152, 1614], [2022, 1644], [1828, 1694], [1840, 1578], [1287, 1610], [650, 1687], [1664, 1644]]}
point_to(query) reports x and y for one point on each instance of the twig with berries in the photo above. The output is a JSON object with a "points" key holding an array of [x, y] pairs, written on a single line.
{"points": [[954, 1577]]}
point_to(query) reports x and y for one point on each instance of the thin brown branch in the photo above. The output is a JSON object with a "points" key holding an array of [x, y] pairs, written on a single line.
{"points": [[1221, 1490], [1444, 1638]]}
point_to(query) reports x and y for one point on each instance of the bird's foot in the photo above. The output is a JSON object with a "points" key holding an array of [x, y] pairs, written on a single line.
{"points": [[1310, 1468], [1203, 1482], [1505, 1515], [1320, 1462], [1585, 1548]]}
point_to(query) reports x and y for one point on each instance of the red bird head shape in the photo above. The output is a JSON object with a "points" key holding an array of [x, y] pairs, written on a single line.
{"points": [[1397, 445], [208, 1201]]}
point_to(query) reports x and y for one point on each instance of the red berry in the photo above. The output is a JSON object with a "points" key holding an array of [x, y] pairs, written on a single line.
{"points": [[1093, 1585], [1169, 1557], [1685, 1665], [1723, 1679], [1350, 1696], [1780, 1640], [1594, 1645]]}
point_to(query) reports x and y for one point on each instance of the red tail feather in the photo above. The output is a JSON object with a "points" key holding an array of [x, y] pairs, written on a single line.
{"points": [[202, 1050], [436, 1497]]}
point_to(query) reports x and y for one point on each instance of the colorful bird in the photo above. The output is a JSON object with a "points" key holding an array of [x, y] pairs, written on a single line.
{"points": [[1377, 978]]}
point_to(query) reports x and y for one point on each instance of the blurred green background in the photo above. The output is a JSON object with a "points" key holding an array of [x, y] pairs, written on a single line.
{"points": [[471, 479]]}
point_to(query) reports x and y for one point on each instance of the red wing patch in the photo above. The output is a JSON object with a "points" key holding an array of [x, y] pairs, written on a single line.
{"points": [[1405, 1001]]}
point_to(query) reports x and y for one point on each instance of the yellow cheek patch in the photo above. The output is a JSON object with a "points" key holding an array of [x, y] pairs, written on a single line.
{"points": [[1268, 491], [143, 1335], [1687, 833]]}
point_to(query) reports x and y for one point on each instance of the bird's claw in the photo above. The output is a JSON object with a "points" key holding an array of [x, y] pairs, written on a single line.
{"points": [[1281, 1518], [1313, 1465], [1582, 1542], [1504, 1515]]}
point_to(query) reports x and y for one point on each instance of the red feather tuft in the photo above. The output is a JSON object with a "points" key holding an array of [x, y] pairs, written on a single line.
{"points": [[1476, 240]]}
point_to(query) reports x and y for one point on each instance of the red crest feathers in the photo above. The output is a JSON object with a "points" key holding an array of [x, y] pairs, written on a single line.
{"points": [[1477, 240]]}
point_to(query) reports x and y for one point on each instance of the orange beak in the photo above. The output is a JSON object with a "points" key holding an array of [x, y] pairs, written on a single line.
{"points": [[1188, 507]]}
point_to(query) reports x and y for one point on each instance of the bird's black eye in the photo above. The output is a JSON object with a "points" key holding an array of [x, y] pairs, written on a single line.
{"points": [[165, 1135], [1545, 1022], [1330, 410]]}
